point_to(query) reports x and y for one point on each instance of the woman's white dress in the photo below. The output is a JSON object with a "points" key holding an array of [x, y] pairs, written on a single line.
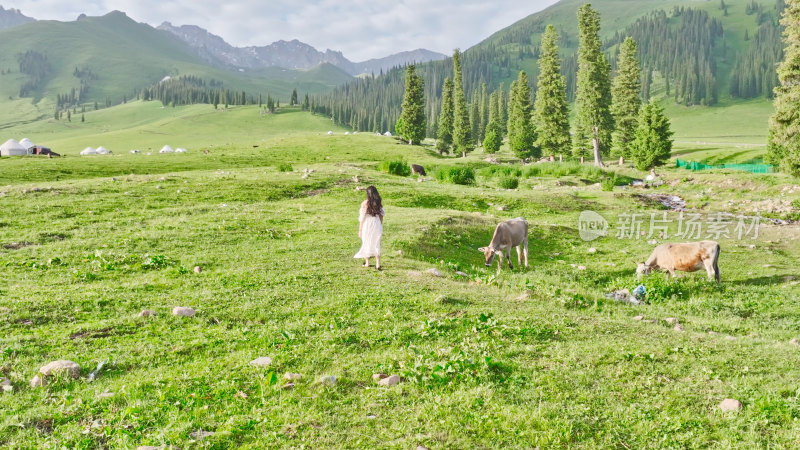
{"points": [[371, 231]]}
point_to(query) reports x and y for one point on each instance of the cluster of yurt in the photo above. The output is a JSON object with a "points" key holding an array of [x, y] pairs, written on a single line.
{"points": [[13, 148], [168, 149], [96, 151]]}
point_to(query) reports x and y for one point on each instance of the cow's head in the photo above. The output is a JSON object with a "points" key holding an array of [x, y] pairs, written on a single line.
{"points": [[489, 252], [642, 269]]}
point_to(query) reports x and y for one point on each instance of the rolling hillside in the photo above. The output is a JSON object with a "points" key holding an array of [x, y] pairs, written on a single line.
{"points": [[112, 57]]}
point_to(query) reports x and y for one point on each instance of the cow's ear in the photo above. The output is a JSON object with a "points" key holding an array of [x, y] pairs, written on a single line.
{"points": [[482, 249]]}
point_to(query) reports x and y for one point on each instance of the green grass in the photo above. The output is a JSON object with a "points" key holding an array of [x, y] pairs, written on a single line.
{"points": [[482, 367]]}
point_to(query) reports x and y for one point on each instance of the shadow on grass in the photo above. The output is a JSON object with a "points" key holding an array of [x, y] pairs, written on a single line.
{"points": [[763, 281]]}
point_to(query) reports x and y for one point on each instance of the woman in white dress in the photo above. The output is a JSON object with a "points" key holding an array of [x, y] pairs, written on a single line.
{"points": [[370, 227]]}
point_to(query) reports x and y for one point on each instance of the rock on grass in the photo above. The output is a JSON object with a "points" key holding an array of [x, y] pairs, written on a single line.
{"points": [[62, 367], [730, 404], [264, 361], [147, 313], [292, 376], [199, 435], [5, 385], [328, 380], [390, 381], [435, 272], [183, 311]]}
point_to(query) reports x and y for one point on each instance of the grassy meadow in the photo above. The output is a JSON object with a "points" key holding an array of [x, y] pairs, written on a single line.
{"points": [[522, 358]]}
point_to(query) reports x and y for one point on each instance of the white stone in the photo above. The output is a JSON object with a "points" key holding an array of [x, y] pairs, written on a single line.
{"points": [[390, 381], [462, 274], [6, 385], [592, 250], [329, 380], [293, 376], [638, 317], [287, 386], [379, 376], [435, 272], [581, 267], [198, 269], [671, 320], [63, 367], [678, 327], [730, 404], [794, 341], [184, 311], [264, 361], [146, 313]]}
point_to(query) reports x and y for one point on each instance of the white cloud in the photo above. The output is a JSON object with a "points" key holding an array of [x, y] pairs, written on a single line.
{"points": [[361, 29]]}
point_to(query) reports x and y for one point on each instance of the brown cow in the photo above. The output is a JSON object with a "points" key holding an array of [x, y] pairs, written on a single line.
{"points": [[686, 257], [511, 233]]}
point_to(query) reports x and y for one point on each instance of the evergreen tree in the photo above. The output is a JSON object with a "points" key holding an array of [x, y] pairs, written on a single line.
{"points": [[69, 116], [594, 122], [493, 138], [651, 145], [83, 118], [306, 104], [484, 113], [412, 117], [444, 131], [625, 94], [521, 132], [475, 117], [462, 141], [293, 100], [783, 148], [551, 113], [503, 106]]}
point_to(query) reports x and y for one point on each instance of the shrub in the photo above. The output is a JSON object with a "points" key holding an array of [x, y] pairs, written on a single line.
{"points": [[608, 183], [456, 175], [399, 168], [509, 182], [285, 167]]}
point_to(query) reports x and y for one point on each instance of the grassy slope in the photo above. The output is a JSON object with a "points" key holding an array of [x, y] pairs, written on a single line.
{"points": [[565, 367], [126, 56]]}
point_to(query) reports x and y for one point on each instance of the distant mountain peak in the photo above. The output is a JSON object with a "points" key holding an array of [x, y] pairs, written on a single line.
{"points": [[291, 54], [13, 17]]}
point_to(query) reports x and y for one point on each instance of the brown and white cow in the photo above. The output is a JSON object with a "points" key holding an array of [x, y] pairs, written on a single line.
{"points": [[686, 257], [511, 233]]}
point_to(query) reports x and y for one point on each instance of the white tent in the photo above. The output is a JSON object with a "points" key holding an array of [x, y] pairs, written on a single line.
{"points": [[88, 151], [103, 151], [180, 150], [387, 134], [166, 149], [27, 143], [330, 133], [12, 148]]}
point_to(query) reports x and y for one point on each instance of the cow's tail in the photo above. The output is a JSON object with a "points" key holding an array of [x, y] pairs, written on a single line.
{"points": [[716, 264]]}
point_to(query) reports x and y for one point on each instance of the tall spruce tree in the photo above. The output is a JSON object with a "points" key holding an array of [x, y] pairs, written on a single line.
{"points": [[293, 99], [412, 116], [594, 122], [551, 113], [625, 98], [484, 113], [783, 148], [475, 117], [444, 132], [494, 129], [651, 145], [521, 131], [462, 141]]}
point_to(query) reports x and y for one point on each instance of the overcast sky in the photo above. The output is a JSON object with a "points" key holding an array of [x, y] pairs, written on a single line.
{"points": [[361, 29]]}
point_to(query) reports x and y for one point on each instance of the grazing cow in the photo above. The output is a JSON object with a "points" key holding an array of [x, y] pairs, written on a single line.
{"points": [[417, 169], [686, 257], [511, 233]]}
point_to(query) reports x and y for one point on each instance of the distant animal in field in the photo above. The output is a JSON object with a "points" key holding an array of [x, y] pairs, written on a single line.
{"points": [[686, 257], [417, 169], [511, 233]]}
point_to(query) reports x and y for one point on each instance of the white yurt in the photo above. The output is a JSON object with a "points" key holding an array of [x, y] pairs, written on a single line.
{"points": [[180, 150], [103, 151], [166, 149], [12, 148], [27, 143], [88, 151]]}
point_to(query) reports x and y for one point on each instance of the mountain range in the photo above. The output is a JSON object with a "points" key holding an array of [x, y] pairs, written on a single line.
{"points": [[12, 17], [286, 54]]}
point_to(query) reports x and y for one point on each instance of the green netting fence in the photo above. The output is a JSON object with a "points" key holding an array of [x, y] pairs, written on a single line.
{"points": [[753, 168]]}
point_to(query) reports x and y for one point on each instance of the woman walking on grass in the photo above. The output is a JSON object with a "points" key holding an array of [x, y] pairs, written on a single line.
{"points": [[370, 227]]}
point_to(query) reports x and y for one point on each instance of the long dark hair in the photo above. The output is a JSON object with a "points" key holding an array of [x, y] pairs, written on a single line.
{"points": [[374, 204]]}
